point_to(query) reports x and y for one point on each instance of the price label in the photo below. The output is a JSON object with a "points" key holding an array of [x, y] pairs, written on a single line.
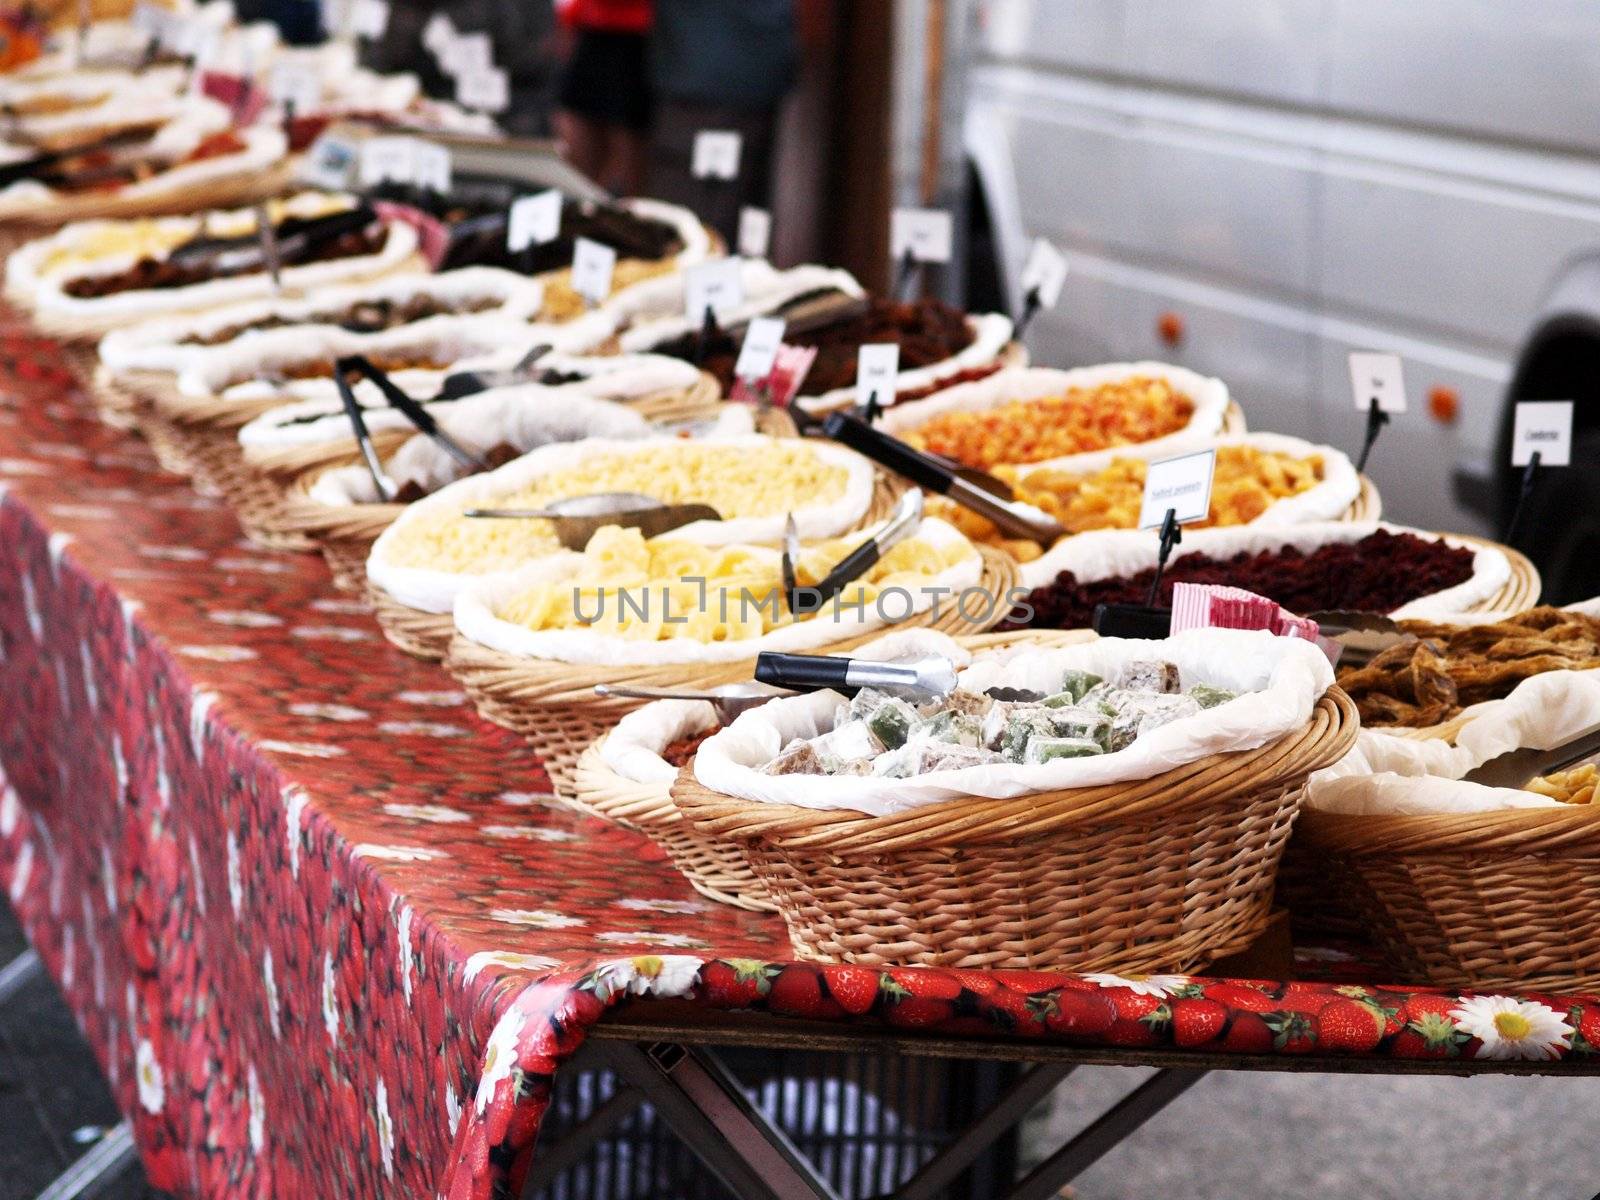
{"points": [[150, 19], [926, 233], [716, 154], [1045, 273], [369, 18], [755, 232], [331, 163], [592, 265], [877, 364], [1544, 426], [1182, 484], [438, 33], [1377, 377], [759, 352], [488, 90], [405, 160], [296, 85], [467, 54], [715, 285], [533, 221]]}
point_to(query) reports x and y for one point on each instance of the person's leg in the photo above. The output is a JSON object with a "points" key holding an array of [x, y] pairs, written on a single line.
{"points": [[583, 142]]}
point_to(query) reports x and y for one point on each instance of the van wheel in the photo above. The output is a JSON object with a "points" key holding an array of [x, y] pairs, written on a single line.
{"points": [[1557, 530]]}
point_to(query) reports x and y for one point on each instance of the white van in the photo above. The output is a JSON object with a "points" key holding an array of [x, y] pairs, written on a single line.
{"points": [[1254, 188]]}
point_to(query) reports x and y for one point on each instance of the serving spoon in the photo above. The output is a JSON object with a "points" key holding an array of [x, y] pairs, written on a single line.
{"points": [[728, 699]]}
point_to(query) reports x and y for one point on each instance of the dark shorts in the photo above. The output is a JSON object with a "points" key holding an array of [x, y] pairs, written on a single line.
{"points": [[608, 79]]}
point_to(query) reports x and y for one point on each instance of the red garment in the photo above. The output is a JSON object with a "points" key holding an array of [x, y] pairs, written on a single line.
{"points": [[611, 16]]}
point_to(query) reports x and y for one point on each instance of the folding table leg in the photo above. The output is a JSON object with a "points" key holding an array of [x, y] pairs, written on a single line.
{"points": [[941, 1170], [705, 1106], [17, 973], [580, 1139], [1123, 1118], [95, 1171]]}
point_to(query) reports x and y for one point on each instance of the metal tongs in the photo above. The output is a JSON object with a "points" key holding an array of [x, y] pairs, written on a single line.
{"points": [[470, 383], [295, 238], [409, 408], [577, 518], [907, 517], [40, 164], [728, 699], [936, 475], [369, 452], [1363, 635], [929, 677], [1515, 768]]}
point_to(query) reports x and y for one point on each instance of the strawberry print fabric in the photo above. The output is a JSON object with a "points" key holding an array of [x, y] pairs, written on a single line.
{"points": [[329, 932]]}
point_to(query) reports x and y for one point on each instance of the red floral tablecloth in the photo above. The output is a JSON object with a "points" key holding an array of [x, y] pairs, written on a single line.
{"points": [[325, 927]]}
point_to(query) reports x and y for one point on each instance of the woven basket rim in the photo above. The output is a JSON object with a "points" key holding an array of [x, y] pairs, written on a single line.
{"points": [[1569, 829], [971, 821]]}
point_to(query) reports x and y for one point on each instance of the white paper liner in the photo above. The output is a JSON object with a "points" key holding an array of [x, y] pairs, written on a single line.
{"points": [[234, 370], [1111, 553], [620, 377], [1209, 396], [690, 229], [435, 591], [991, 333], [129, 101], [263, 147], [653, 311], [633, 749], [158, 345], [1409, 776], [476, 619], [46, 294], [1280, 681]]}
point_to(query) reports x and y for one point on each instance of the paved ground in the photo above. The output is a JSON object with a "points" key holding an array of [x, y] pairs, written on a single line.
{"points": [[1232, 1137]]}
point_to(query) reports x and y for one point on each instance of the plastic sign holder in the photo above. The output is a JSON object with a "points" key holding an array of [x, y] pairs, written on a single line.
{"points": [[1541, 436], [1378, 385]]}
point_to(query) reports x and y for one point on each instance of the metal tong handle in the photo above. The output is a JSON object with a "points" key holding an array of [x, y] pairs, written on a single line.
{"points": [[907, 517], [352, 409], [409, 408]]}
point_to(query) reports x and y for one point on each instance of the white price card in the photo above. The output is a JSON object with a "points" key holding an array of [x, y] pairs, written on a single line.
{"points": [[716, 285], [762, 337], [487, 90], [1182, 484], [927, 233], [369, 18], [755, 232], [592, 265], [331, 163], [1045, 273], [387, 160], [1377, 377], [716, 154], [430, 167], [150, 19], [1544, 426], [438, 33], [534, 220], [296, 85], [877, 364], [468, 53]]}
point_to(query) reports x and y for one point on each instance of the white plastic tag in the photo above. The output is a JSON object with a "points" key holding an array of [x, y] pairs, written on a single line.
{"points": [[467, 53], [369, 18], [1377, 377], [755, 232], [438, 33], [592, 265], [927, 233], [1182, 484], [1045, 272], [487, 90], [877, 365], [716, 285], [716, 154], [762, 337], [534, 220], [1544, 426], [295, 84]]}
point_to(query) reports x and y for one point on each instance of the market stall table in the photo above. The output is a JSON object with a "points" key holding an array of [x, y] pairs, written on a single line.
{"points": [[326, 929]]}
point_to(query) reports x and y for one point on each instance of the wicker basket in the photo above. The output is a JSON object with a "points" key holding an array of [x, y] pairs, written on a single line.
{"points": [[1484, 900], [229, 191], [1166, 873], [423, 635], [553, 704], [1233, 419], [1367, 506], [715, 869]]}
